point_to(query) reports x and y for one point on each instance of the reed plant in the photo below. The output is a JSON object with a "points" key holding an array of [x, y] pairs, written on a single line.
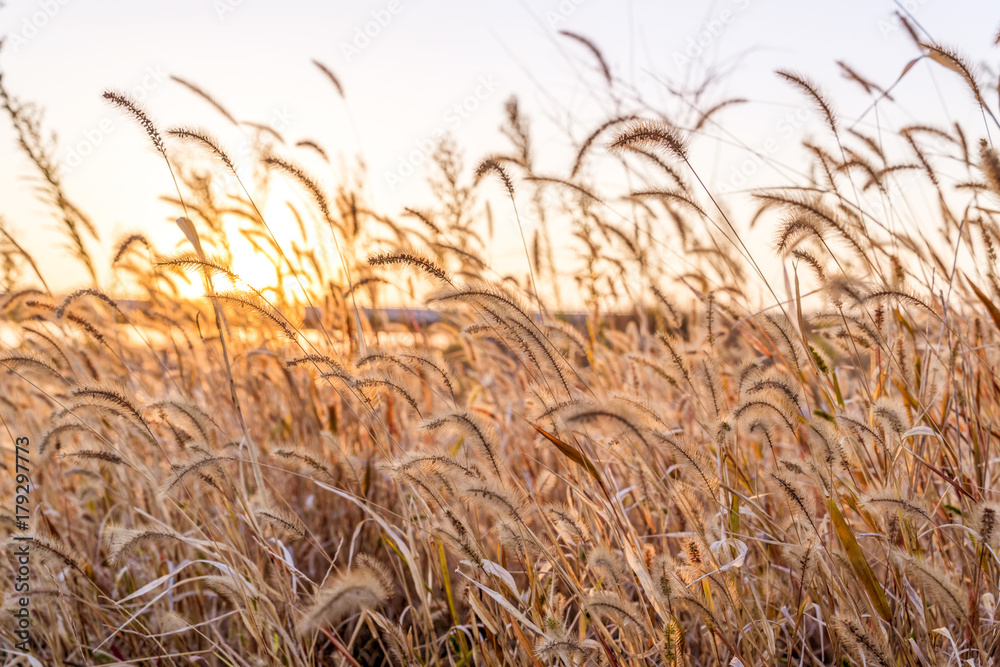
{"points": [[289, 474]]}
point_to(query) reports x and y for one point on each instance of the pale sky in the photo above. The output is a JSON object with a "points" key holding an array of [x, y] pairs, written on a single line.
{"points": [[423, 58]]}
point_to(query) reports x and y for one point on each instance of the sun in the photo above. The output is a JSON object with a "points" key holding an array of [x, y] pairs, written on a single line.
{"points": [[255, 270], [256, 261], [253, 266]]}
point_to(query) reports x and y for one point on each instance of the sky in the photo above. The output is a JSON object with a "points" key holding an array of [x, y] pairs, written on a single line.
{"points": [[412, 69]]}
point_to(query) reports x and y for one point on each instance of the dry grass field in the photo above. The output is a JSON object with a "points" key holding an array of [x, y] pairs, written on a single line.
{"points": [[283, 474]]}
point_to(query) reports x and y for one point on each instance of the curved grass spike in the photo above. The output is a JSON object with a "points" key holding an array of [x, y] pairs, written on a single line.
{"points": [[97, 455], [125, 244], [253, 303], [437, 366], [601, 62], [651, 135], [412, 258], [213, 145], [27, 126], [956, 63], [388, 383], [812, 90], [205, 96], [493, 164], [324, 206], [860, 639], [27, 257], [18, 360], [510, 310], [589, 141], [203, 138], [889, 404], [131, 107], [483, 433]]}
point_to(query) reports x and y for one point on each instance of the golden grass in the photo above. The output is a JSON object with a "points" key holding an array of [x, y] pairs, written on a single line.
{"points": [[257, 478]]}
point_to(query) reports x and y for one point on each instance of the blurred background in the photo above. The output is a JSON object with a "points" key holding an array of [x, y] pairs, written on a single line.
{"points": [[412, 72]]}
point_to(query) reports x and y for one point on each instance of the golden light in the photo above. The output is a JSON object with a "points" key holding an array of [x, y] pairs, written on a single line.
{"points": [[254, 259], [253, 266]]}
